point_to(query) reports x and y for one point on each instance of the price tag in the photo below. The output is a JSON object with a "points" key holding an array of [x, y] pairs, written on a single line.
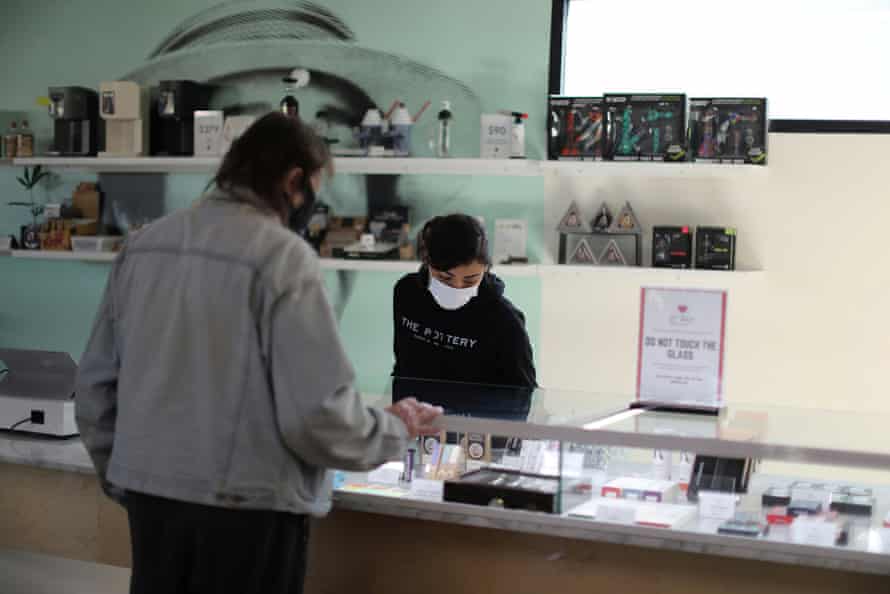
{"points": [[388, 474], [714, 505], [618, 514], [814, 531], [496, 136], [427, 489]]}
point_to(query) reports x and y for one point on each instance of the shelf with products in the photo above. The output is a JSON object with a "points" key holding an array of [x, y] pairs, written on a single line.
{"points": [[685, 170], [346, 165], [745, 482], [696, 277], [418, 166]]}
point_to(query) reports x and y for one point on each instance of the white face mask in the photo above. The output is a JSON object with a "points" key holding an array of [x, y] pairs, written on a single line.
{"points": [[450, 298]]}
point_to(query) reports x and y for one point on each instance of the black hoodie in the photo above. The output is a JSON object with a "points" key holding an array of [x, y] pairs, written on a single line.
{"points": [[483, 342]]}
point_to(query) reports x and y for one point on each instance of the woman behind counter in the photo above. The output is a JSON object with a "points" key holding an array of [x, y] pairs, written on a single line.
{"points": [[452, 321]]}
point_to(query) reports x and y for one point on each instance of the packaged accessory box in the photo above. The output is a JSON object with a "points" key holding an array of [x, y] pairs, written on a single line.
{"points": [[645, 127], [728, 130], [576, 128]]}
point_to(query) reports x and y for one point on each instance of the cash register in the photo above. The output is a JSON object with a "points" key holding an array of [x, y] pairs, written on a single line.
{"points": [[37, 392]]}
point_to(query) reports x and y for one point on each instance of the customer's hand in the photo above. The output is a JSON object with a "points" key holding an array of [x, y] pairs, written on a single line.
{"points": [[417, 416]]}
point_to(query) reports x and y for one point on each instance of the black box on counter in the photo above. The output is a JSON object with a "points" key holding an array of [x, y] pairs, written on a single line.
{"points": [[645, 127], [507, 489]]}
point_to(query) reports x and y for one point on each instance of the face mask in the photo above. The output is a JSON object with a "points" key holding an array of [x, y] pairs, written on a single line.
{"points": [[299, 217], [450, 298]]}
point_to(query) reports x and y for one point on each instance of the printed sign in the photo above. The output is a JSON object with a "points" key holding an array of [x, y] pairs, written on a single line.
{"points": [[681, 346]]}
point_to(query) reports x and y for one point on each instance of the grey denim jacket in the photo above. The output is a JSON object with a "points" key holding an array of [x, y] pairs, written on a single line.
{"points": [[215, 374]]}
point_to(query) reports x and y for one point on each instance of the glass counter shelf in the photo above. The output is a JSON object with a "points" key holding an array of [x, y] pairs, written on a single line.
{"points": [[788, 485]]}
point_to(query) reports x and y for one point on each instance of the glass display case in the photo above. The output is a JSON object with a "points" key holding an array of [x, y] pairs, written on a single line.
{"points": [[754, 480]]}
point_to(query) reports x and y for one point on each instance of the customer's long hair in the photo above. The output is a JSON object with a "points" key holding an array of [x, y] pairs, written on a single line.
{"points": [[261, 158]]}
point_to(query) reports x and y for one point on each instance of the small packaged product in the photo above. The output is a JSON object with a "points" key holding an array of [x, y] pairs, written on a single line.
{"points": [[645, 127], [576, 129], [728, 130]]}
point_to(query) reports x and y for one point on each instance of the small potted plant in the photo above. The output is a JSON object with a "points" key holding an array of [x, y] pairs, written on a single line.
{"points": [[30, 234]]}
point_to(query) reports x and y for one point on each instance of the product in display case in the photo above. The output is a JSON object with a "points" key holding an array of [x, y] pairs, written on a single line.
{"points": [[743, 525], [715, 248], [582, 254], [645, 127], [507, 489], [641, 489], [852, 501], [728, 130], [671, 247], [576, 128], [368, 251], [727, 475], [477, 448]]}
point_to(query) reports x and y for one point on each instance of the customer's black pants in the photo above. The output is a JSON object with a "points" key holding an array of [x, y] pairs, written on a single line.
{"points": [[184, 548]]}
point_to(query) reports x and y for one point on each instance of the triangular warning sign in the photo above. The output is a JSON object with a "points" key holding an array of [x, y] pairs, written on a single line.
{"points": [[626, 221], [572, 221], [582, 254], [603, 219], [612, 256]]}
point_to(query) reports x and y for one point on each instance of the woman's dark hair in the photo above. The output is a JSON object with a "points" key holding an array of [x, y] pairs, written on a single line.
{"points": [[453, 240], [260, 158]]}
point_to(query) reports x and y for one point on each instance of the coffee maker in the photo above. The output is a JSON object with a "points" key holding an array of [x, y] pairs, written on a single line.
{"points": [[75, 111], [121, 106], [174, 104]]}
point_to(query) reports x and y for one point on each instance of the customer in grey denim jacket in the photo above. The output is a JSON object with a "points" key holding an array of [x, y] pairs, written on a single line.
{"points": [[214, 374]]}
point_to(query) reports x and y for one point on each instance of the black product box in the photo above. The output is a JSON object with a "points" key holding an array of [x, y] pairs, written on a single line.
{"points": [[853, 505], [729, 475], [799, 507], [728, 130], [715, 248], [645, 127], [508, 489], [576, 129], [671, 247], [776, 497]]}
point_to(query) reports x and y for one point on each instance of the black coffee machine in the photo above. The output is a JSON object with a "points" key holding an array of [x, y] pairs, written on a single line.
{"points": [[173, 107], [75, 111]]}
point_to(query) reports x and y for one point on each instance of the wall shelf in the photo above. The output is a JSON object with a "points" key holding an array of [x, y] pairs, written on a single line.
{"points": [[420, 166], [350, 165], [651, 169], [644, 275]]}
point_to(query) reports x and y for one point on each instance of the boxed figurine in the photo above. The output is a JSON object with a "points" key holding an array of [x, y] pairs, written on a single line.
{"points": [[576, 129], [728, 130], [671, 247], [645, 127], [715, 248]]}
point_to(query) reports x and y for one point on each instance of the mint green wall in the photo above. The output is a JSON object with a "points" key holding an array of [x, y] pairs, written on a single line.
{"points": [[498, 48]]}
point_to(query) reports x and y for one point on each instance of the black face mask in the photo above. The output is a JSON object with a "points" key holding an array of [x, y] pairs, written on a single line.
{"points": [[299, 217]]}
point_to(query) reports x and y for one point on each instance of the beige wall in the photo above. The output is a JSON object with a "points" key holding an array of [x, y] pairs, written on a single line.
{"points": [[811, 330]]}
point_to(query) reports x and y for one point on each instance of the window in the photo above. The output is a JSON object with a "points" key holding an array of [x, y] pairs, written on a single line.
{"points": [[813, 59]]}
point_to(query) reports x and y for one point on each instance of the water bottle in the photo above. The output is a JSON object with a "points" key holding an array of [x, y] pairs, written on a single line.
{"points": [[443, 144]]}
